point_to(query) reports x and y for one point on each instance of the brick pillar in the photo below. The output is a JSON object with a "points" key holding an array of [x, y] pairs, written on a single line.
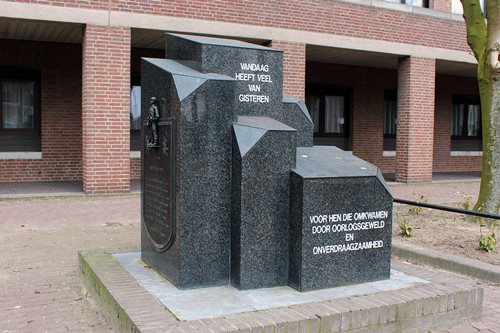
{"points": [[294, 67], [106, 109], [368, 123], [415, 127]]}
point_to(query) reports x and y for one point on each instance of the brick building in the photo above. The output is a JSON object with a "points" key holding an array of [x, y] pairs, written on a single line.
{"points": [[68, 67]]}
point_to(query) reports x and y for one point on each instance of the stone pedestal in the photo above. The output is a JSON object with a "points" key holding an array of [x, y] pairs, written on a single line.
{"points": [[340, 221], [263, 154]]}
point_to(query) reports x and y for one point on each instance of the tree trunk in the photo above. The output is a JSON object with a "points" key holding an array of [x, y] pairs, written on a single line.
{"points": [[484, 40], [489, 194]]}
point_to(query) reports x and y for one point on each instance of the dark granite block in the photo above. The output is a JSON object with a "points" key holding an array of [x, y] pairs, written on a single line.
{"points": [[340, 221], [195, 221], [257, 69], [295, 115], [216, 194], [263, 153]]}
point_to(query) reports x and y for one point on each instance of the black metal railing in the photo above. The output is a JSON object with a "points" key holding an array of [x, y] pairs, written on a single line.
{"points": [[448, 209]]}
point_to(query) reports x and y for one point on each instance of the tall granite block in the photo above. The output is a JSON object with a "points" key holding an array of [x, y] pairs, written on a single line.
{"points": [[257, 69], [263, 153], [295, 115], [186, 191], [340, 220]]}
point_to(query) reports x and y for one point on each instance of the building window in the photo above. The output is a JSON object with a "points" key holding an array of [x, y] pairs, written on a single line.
{"points": [[135, 108], [135, 112], [18, 105], [329, 107], [415, 3], [19, 109], [390, 119], [466, 123]]}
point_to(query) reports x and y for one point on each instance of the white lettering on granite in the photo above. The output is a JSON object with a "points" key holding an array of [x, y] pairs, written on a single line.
{"points": [[245, 77], [318, 218], [324, 218], [254, 87], [334, 218], [347, 223], [371, 215], [254, 67], [264, 78], [320, 229], [327, 249], [253, 98], [253, 77]]}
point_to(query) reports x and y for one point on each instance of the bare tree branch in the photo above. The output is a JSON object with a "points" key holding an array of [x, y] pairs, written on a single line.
{"points": [[476, 28]]}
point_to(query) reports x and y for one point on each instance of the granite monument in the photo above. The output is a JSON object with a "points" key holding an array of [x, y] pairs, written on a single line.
{"points": [[233, 190]]}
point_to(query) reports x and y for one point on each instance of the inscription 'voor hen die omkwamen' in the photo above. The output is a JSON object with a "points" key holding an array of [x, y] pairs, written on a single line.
{"points": [[347, 223]]}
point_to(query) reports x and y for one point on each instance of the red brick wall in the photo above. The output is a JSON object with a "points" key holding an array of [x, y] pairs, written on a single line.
{"points": [[294, 67], [106, 109], [60, 66], [61, 110], [367, 112], [328, 16], [446, 87], [368, 124], [414, 141], [135, 168]]}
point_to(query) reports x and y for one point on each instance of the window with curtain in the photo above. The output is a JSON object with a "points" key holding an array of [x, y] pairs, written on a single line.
{"points": [[390, 119], [329, 107], [135, 108], [390, 113], [466, 123], [334, 114], [19, 109], [466, 120], [135, 111], [416, 3]]}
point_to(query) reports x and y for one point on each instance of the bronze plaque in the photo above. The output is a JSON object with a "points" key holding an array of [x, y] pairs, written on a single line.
{"points": [[158, 186]]}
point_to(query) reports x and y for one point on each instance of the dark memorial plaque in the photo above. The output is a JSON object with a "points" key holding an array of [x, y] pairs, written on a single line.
{"points": [[158, 188]]}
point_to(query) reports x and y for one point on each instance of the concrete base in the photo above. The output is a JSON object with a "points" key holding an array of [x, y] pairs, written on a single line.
{"points": [[136, 299]]}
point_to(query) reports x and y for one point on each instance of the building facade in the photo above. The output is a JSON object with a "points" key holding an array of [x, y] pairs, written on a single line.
{"points": [[394, 83]]}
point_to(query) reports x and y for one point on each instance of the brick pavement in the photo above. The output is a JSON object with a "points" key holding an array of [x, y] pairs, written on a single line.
{"points": [[447, 193], [41, 290], [437, 193], [490, 318]]}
